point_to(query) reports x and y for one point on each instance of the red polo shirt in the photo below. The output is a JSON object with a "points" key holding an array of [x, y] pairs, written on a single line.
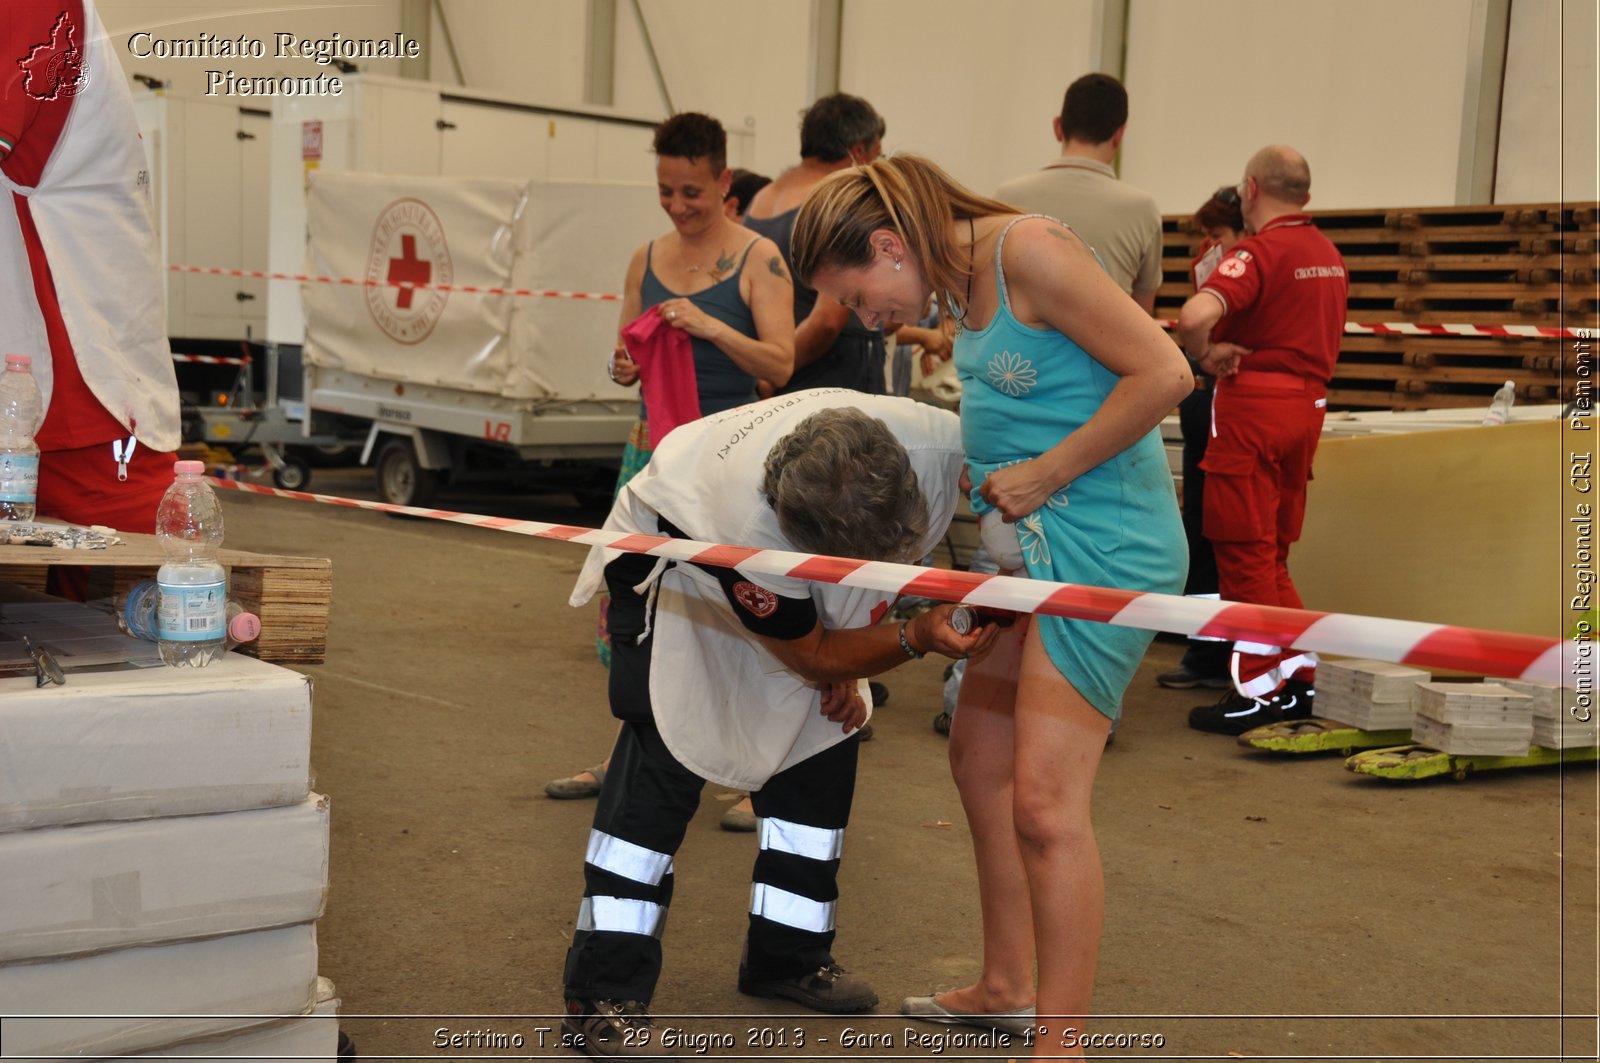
{"points": [[1285, 296]]}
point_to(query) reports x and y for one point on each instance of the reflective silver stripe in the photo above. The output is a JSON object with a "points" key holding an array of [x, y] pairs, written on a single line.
{"points": [[791, 909], [815, 843], [1263, 684], [626, 859], [618, 915]]}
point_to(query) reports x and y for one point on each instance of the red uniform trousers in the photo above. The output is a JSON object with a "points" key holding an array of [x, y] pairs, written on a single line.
{"points": [[80, 486], [1265, 428]]}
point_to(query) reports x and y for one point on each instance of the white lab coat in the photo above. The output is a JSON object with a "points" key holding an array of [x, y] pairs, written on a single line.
{"points": [[725, 706], [92, 210]]}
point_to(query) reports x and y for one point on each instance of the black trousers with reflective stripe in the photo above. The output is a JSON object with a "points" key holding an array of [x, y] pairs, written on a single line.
{"points": [[649, 798]]}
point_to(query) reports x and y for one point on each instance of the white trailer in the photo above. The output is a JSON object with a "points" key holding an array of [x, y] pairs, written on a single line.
{"points": [[419, 338]]}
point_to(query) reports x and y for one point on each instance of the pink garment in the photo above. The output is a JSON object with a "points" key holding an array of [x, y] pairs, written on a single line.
{"points": [[665, 359]]}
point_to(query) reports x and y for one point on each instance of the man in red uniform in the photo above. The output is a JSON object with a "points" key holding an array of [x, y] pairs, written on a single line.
{"points": [[81, 268], [1267, 324]]}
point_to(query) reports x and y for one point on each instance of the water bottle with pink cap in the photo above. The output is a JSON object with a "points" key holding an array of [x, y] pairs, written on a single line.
{"points": [[192, 619]]}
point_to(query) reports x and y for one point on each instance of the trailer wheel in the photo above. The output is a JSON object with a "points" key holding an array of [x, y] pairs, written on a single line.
{"points": [[402, 481], [293, 475]]}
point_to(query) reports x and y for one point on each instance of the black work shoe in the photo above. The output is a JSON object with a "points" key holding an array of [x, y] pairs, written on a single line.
{"points": [[879, 692], [829, 989], [606, 1028], [1181, 678], [1296, 699], [1235, 714]]}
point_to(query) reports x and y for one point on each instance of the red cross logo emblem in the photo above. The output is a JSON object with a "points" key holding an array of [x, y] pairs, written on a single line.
{"points": [[407, 265], [408, 269]]}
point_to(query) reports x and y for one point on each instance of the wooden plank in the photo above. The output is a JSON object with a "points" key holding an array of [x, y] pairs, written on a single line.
{"points": [[291, 595]]}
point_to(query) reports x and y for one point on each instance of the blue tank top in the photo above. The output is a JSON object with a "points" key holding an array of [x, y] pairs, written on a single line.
{"points": [[1116, 525], [721, 384]]}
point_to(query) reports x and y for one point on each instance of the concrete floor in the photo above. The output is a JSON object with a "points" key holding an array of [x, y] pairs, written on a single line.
{"points": [[1256, 906]]}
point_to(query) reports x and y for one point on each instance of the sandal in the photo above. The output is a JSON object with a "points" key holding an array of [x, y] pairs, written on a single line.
{"points": [[576, 786]]}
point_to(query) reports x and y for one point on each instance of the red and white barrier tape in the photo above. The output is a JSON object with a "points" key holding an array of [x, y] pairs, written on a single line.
{"points": [[211, 359], [1395, 328], [1496, 653], [1411, 328], [472, 289]]}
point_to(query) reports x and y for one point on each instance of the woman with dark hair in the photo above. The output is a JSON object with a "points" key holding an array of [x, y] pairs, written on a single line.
{"points": [[1064, 382], [696, 274]]}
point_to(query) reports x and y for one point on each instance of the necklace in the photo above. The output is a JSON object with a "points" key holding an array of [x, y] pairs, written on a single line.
{"points": [[972, 267], [718, 271]]}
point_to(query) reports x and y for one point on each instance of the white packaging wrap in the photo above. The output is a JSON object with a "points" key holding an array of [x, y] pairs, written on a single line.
{"points": [[107, 885], [153, 742]]}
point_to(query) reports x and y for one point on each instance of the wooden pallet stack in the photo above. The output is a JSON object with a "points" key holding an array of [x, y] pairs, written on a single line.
{"points": [[291, 595], [1533, 264], [1562, 719], [1370, 695], [1484, 719]]}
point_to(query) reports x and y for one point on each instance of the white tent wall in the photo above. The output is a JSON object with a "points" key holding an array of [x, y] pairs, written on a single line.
{"points": [[973, 86], [187, 19], [525, 49], [1370, 91], [746, 64], [1373, 92], [1548, 112]]}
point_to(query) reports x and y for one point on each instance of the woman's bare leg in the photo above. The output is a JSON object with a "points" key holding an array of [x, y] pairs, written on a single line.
{"points": [[1059, 741], [981, 762]]}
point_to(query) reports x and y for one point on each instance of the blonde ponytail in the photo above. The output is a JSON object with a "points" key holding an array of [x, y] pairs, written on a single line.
{"points": [[905, 194]]}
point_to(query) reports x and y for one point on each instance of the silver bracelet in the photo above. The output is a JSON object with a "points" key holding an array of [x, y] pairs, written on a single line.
{"points": [[905, 643]]}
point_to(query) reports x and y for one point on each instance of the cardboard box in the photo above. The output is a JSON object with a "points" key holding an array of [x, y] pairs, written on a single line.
{"points": [[311, 1037], [132, 1000], [109, 885], [151, 742]]}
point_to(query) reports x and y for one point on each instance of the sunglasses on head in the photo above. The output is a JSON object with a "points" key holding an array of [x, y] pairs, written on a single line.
{"points": [[1228, 194]]}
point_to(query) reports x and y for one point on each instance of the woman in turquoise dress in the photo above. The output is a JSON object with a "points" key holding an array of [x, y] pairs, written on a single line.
{"points": [[1064, 382]]}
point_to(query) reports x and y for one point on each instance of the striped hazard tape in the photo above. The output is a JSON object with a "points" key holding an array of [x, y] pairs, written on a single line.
{"points": [[416, 286], [212, 359], [1496, 653], [1412, 328], [1394, 328]]}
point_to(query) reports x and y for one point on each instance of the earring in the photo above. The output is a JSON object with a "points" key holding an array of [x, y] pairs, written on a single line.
{"points": [[897, 265]]}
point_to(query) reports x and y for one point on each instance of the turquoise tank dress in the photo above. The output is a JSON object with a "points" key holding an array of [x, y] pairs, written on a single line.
{"points": [[1023, 391]]}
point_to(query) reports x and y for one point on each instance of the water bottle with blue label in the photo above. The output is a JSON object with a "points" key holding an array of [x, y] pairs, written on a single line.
{"points": [[192, 616], [21, 410]]}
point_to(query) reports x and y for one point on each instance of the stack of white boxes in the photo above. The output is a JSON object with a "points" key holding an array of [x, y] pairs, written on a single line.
{"points": [[162, 861], [1558, 721], [1484, 719], [1371, 695]]}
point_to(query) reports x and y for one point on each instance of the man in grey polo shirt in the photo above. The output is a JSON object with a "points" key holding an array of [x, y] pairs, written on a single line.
{"points": [[1080, 188]]}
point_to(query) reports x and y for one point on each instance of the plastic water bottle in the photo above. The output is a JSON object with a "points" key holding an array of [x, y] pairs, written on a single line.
{"points": [[21, 410], [1500, 405], [192, 617], [141, 617]]}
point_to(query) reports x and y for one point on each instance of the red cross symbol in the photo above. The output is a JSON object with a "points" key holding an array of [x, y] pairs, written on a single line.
{"points": [[408, 269]]}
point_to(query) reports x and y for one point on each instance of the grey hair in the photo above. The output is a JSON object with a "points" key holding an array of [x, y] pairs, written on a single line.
{"points": [[842, 484]]}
